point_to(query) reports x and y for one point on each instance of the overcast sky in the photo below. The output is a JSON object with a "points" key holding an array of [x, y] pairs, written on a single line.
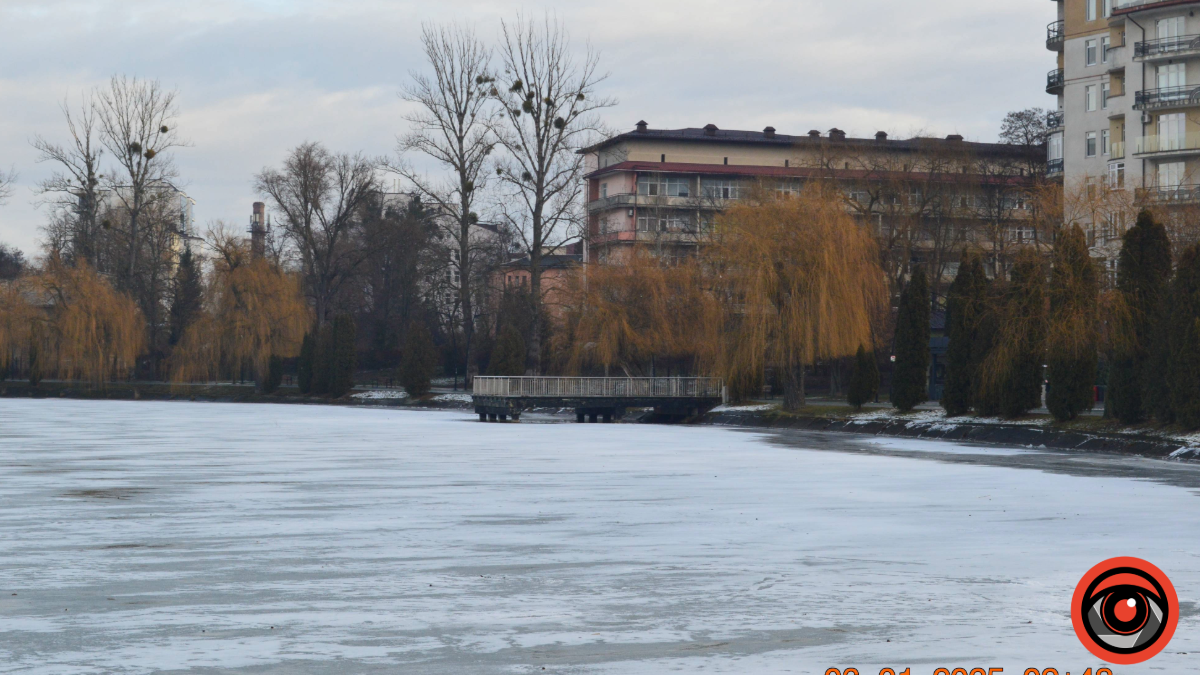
{"points": [[256, 77]]}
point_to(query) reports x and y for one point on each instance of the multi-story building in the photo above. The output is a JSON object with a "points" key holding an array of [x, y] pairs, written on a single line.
{"points": [[1127, 117], [925, 198]]}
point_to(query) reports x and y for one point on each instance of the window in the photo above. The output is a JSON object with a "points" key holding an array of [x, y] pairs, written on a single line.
{"points": [[1091, 9], [604, 190], [1089, 98], [1171, 131], [663, 186], [1170, 32], [726, 161], [1104, 142], [1105, 92], [718, 188], [1170, 175], [1105, 45], [1090, 144], [1054, 148], [1107, 8], [668, 223], [1172, 75], [1090, 52]]}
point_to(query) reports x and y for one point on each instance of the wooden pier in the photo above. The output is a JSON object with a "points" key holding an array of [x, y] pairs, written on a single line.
{"points": [[595, 398]]}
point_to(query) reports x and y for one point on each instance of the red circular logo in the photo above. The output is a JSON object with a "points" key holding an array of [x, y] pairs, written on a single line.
{"points": [[1125, 611]]}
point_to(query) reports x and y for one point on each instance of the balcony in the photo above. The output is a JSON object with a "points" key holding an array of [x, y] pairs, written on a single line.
{"points": [[1055, 120], [1167, 97], [1167, 48], [1056, 35], [1117, 150], [1054, 167], [1134, 5], [1055, 81], [1174, 194], [1188, 144]]}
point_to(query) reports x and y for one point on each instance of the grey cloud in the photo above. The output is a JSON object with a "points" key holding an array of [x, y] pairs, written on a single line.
{"points": [[258, 76]]}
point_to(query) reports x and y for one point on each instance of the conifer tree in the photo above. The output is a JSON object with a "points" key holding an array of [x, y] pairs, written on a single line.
{"points": [[910, 377], [1072, 350], [1143, 270], [342, 363], [965, 305], [864, 381], [420, 361], [508, 357], [274, 375], [305, 364], [1183, 375], [1156, 391], [186, 295]]}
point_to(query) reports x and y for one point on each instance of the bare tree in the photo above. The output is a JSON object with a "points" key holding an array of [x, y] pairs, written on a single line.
{"points": [[73, 189], [1026, 127], [549, 112], [320, 197], [136, 119], [6, 185], [452, 125]]}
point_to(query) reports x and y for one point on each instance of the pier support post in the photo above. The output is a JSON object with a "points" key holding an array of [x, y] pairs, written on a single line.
{"points": [[579, 417]]}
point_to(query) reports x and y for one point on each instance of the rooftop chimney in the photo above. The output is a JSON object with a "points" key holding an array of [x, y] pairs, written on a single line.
{"points": [[954, 137], [814, 134], [881, 135], [769, 132], [837, 134], [641, 126], [710, 130]]}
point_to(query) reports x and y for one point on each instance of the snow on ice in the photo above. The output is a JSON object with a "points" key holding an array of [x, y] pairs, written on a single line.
{"points": [[138, 537]]}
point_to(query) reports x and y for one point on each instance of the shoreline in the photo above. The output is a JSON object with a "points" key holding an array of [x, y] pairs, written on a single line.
{"points": [[964, 429]]}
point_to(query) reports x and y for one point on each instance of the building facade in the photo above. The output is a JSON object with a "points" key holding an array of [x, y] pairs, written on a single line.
{"points": [[1126, 116], [925, 198]]}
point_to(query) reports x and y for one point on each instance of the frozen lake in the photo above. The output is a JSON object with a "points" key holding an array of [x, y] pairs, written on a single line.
{"points": [[140, 537]]}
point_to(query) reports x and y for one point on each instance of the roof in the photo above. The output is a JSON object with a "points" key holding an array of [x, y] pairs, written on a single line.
{"points": [[768, 138], [805, 172]]}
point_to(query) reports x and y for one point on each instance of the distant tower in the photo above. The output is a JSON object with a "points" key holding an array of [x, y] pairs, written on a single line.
{"points": [[258, 230]]}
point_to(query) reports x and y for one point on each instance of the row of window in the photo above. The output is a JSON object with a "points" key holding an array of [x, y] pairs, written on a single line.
{"points": [[1096, 50], [1105, 7]]}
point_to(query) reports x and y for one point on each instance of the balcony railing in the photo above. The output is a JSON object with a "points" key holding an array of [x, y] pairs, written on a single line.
{"points": [[1139, 4], [599, 387], [1147, 145], [1166, 46], [1167, 97], [1056, 120], [1056, 34], [1054, 166], [1173, 194], [1055, 80]]}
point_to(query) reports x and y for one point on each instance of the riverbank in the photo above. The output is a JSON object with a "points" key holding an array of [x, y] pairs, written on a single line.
{"points": [[1086, 434]]}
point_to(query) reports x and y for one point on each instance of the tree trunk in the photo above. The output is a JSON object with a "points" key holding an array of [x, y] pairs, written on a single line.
{"points": [[535, 302], [464, 295], [793, 388]]}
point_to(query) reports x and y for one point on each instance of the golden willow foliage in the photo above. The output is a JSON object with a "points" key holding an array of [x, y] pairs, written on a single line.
{"points": [[621, 316], [81, 328], [254, 311], [17, 318], [799, 282]]}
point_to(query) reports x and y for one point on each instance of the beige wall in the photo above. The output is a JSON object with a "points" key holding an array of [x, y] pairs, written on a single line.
{"points": [[1075, 16]]}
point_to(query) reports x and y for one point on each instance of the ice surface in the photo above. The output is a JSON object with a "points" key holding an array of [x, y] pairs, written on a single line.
{"points": [[142, 537]]}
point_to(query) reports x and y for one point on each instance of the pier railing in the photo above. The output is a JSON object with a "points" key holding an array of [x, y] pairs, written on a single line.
{"points": [[599, 387]]}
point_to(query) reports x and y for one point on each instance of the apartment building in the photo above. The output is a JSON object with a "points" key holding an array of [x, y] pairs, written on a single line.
{"points": [[925, 198], [1127, 116]]}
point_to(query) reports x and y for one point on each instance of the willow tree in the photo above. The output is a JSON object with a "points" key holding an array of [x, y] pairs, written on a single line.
{"points": [[254, 311], [624, 316], [17, 318], [1072, 346], [91, 332], [799, 281], [1011, 374]]}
